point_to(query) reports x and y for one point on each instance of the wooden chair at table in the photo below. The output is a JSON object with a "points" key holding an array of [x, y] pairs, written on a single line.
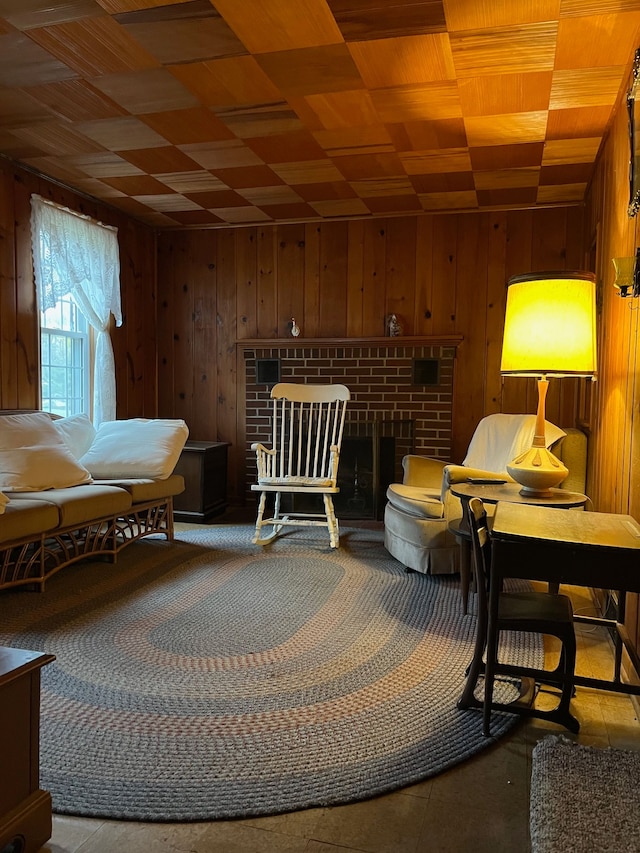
{"points": [[307, 427], [532, 612]]}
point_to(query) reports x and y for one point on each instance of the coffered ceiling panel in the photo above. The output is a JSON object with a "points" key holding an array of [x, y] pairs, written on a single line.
{"points": [[182, 127], [195, 31], [197, 113], [76, 101], [29, 14], [596, 41], [280, 25], [364, 20], [469, 15], [93, 46], [224, 83], [505, 93], [505, 50], [25, 63], [402, 61], [56, 138], [222, 155], [121, 133], [115, 6]]}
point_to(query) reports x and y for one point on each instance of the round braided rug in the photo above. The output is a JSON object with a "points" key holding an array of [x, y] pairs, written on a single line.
{"points": [[210, 678]]}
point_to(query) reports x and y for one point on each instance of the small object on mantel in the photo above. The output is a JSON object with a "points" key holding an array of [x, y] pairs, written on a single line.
{"points": [[394, 329], [295, 329]]}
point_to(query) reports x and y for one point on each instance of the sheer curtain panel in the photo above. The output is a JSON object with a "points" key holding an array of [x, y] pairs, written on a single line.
{"points": [[77, 255]]}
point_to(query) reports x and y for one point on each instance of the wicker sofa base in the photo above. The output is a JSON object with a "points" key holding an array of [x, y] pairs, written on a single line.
{"points": [[33, 559]]}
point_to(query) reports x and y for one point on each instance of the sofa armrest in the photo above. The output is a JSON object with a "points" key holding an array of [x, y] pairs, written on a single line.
{"points": [[423, 471]]}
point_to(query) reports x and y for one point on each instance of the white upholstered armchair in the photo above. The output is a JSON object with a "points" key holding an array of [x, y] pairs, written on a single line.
{"points": [[420, 508]]}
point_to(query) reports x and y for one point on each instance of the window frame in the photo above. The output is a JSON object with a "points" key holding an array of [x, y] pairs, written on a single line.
{"points": [[78, 329]]}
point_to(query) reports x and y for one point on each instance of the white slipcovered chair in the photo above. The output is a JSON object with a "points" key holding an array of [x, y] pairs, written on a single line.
{"points": [[418, 512]]}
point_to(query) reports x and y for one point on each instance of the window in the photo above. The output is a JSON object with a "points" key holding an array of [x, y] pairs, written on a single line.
{"points": [[65, 359], [76, 265]]}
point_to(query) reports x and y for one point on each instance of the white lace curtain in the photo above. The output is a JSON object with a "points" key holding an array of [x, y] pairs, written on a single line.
{"points": [[77, 255]]}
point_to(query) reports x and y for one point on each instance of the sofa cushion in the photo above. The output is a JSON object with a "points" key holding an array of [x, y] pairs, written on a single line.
{"points": [[77, 432], [137, 447], [417, 502], [143, 489], [33, 455], [82, 504], [24, 519]]}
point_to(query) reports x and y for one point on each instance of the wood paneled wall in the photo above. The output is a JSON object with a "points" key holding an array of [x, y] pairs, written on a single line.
{"points": [[614, 460], [441, 274], [176, 352], [134, 342]]}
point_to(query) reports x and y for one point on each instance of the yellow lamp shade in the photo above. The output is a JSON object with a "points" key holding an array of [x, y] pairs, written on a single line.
{"points": [[550, 325]]}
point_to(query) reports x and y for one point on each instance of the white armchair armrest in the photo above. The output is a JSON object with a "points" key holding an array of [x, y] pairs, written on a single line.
{"points": [[423, 471], [460, 474]]}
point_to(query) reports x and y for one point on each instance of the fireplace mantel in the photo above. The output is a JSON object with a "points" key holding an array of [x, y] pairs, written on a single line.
{"points": [[400, 340]]}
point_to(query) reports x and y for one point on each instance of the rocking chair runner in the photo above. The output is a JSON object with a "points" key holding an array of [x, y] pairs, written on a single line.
{"points": [[308, 421]]}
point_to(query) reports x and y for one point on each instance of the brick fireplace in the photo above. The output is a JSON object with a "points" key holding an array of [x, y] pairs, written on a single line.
{"points": [[401, 402]]}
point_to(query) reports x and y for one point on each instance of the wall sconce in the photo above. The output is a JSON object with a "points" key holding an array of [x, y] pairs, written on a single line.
{"points": [[627, 280]]}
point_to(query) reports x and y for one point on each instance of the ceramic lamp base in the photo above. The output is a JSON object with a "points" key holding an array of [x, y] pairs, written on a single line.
{"points": [[538, 471]]}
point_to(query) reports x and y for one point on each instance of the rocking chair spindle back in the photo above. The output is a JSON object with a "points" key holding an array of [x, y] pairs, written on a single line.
{"points": [[306, 435]]}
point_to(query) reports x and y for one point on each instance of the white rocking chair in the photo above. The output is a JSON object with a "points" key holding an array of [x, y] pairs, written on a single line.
{"points": [[308, 421]]}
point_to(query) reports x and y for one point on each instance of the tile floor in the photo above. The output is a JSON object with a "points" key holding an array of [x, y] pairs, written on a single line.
{"points": [[482, 805]]}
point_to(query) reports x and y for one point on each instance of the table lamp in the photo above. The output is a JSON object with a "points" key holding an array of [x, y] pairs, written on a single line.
{"points": [[549, 331]]}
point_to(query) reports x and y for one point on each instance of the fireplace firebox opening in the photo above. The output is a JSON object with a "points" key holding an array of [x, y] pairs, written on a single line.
{"points": [[370, 460]]}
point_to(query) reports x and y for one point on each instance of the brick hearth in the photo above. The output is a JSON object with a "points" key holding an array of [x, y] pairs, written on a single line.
{"points": [[379, 374]]}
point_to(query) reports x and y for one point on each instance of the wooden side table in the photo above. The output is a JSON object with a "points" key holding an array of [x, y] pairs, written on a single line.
{"points": [[25, 810], [510, 492], [203, 464]]}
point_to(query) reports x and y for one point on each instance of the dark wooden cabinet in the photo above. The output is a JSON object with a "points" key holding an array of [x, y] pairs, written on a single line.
{"points": [[203, 464], [25, 810]]}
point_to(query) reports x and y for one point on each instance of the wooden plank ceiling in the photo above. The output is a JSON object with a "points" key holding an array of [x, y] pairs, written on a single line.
{"points": [[216, 112]]}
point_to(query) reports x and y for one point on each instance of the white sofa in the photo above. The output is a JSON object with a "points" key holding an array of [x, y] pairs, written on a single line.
{"points": [[68, 492]]}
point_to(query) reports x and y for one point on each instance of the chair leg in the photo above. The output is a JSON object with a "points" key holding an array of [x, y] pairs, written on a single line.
{"points": [[569, 661], [476, 667], [332, 521], [489, 670], [261, 504], [258, 539], [561, 677], [465, 573], [489, 678]]}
